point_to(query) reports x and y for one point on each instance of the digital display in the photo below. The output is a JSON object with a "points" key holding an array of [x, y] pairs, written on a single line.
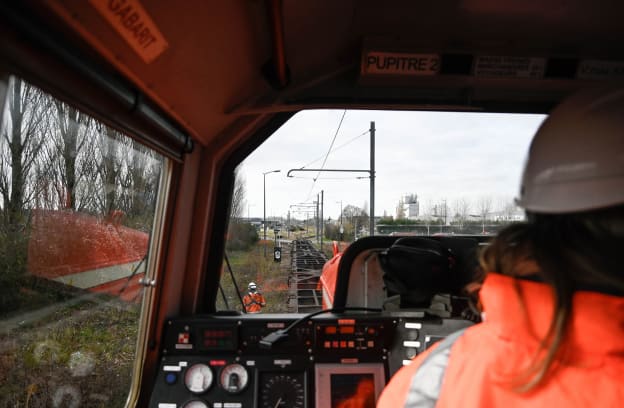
{"points": [[348, 385], [347, 329], [218, 334], [352, 390], [341, 329], [218, 338]]}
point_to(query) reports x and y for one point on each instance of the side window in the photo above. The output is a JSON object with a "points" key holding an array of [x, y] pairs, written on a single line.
{"points": [[77, 206]]}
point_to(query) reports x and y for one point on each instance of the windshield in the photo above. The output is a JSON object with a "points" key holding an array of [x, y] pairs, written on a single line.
{"points": [[309, 186]]}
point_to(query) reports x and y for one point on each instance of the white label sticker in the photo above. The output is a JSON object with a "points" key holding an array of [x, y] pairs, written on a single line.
{"points": [[396, 63], [276, 325], [172, 368], [184, 346], [134, 25], [282, 362], [595, 69], [509, 67]]}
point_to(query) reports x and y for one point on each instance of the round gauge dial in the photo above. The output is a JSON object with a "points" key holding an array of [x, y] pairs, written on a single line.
{"points": [[198, 378], [233, 378], [196, 404], [282, 390]]}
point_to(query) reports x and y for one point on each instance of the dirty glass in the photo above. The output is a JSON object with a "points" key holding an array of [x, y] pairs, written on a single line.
{"points": [[308, 187], [77, 205]]}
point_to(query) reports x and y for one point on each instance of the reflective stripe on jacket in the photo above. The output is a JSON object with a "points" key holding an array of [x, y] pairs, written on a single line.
{"points": [[481, 366], [254, 302]]}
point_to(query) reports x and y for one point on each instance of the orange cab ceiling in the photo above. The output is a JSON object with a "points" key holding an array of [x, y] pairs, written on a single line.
{"points": [[220, 60]]}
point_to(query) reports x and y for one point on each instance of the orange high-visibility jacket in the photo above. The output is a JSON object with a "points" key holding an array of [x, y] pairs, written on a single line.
{"points": [[477, 368], [254, 302]]}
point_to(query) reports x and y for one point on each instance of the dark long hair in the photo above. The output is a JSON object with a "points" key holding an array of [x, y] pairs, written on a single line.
{"points": [[571, 252]]}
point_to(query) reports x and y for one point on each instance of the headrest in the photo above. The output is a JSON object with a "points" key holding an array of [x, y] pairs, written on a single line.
{"points": [[419, 268]]}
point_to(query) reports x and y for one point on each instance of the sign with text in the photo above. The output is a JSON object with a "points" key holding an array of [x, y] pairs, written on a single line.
{"points": [[509, 67], [399, 63], [277, 254], [596, 69], [134, 24]]}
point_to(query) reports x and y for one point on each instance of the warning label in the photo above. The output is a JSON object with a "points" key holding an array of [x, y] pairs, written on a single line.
{"points": [[509, 67], [134, 24]]}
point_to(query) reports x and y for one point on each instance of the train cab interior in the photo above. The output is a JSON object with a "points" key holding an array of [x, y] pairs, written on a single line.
{"points": [[138, 145]]}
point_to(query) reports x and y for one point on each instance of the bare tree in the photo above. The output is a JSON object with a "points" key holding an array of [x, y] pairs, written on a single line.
{"points": [[144, 175], [356, 218], [69, 141], [461, 210], [109, 169], [509, 209], [238, 196], [22, 140], [484, 207]]}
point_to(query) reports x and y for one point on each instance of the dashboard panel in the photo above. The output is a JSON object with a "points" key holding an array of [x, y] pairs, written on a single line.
{"points": [[218, 361]]}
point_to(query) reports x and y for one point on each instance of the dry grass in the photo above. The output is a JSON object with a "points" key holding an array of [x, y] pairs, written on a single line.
{"points": [[252, 266], [81, 355]]}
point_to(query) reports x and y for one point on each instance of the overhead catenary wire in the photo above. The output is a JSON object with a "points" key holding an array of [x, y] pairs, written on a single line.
{"points": [[327, 154], [337, 148], [329, 178]]}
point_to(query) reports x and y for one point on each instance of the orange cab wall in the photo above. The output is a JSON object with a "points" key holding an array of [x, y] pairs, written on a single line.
{"points": [[327, 282]]}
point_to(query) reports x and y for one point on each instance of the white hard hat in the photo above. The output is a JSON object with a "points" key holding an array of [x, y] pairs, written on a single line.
{"points": [[251, 285], [576, 159]]}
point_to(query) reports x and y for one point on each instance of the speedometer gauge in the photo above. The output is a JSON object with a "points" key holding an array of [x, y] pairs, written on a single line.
{"points": [[282, 390], [198, 378]]}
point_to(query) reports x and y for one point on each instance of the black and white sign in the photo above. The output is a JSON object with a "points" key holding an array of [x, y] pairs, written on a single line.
{"points": [[509, 67]]}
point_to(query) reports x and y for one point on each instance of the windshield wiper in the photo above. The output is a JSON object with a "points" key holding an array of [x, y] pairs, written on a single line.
{"points": [[227, 261]]}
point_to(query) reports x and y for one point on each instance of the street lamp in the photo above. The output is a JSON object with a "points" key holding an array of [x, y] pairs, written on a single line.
{"points": [[264, 206]]}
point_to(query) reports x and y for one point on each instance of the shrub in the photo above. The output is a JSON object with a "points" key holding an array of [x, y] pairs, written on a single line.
{"points": [[241, 236]]}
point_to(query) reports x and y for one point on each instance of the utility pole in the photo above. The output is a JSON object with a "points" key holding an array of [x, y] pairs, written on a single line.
{"points": [[322, 220], [341, 230], [340, 211], [372, 180], [370, 171], [316, 219], [264, 220]]}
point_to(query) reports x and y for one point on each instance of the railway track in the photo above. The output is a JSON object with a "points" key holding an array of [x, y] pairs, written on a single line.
{"points": [[305, 270]]}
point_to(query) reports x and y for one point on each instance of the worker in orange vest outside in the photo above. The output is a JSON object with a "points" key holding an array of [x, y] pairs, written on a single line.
{"points": [[553, 291], [253, 300]]}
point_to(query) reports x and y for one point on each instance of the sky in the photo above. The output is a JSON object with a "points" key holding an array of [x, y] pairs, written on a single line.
{"points": [[436, 155]]}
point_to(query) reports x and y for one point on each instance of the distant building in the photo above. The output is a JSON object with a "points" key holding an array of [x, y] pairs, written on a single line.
{"points": [[413, 206]]}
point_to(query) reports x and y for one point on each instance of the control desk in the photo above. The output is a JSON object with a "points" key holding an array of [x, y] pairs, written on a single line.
{"points": [[238, 361]]}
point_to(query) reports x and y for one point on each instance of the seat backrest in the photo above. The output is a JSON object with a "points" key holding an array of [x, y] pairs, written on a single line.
{"points": [[418, 268]]}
